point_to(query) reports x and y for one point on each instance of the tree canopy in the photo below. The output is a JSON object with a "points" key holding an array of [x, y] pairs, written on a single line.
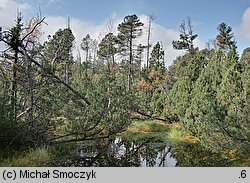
{"points": [[45, 99]]}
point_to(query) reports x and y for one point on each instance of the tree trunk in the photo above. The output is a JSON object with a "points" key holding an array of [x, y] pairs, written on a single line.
{"points": [[94, 62], [86, 63], [80, 69], [31, 96], [130, 59], [14, 86], [148, 44]]}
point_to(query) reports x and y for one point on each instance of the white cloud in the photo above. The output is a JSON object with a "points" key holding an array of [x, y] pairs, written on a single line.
{"points": [[80, 28], [53, 1], [165, 36], [8, 11], [244, 28]]}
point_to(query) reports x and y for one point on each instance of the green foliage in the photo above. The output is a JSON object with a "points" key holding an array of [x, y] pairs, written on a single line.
{"points": [[186, 37], [224, 39], [188, 73], [176, 70], [129, 30], [130, 24], [107, 47], [157, 57], [89, 46], [118, 103], [215, 113], [59, 47], [42, 96], [210, 99], [58, 53], [245, 57], [152, 96], [109, 113], [7, 130], [195, 155], [157, 102]]}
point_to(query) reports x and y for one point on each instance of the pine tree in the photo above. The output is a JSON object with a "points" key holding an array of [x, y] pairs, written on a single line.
{"points": [[157, 57], [129, 30], [245, 57], [187, 37], [217, 109], [185, 72], [59, 53], [86, 46], [225, 38], [203, 112], [107, 48], [137, 66]]}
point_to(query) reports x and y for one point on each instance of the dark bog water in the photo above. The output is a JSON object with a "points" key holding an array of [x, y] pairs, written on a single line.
{"points": [[120, 152]]}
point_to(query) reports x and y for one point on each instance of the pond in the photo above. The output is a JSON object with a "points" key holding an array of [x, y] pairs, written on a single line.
{"points": [[120, 152]]}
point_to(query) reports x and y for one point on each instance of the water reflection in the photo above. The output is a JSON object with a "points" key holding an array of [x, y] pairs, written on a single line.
{"points": [[121, 152]]}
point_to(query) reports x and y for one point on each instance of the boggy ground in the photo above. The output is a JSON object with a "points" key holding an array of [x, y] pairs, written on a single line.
{"points": [[186, 149]]}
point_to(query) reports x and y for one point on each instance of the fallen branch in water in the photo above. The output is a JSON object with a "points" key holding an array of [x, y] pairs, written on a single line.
{"points": [[80, 139]]}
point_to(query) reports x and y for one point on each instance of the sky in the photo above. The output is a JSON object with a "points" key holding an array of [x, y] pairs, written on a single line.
{"points": [[91, 16]]}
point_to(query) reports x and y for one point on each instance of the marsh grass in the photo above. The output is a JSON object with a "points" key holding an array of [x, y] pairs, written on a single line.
{"points": [[39, 157], [147, 127], [168, 132], [186, 148]]}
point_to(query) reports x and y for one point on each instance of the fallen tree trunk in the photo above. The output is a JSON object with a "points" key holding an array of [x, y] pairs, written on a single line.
{"points": [[18, 47], [80, 139], [80, 95]]}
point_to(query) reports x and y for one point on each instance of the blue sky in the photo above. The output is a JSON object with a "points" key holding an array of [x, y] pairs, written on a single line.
{"points": [[205, 14]]}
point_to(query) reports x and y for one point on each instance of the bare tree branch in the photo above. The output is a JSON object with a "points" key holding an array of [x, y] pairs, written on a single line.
{"points": [[152, 117], [37, 24]]}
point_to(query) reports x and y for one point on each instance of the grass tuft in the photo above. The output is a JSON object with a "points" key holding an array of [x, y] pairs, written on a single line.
{"points": [[39, 157]]}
